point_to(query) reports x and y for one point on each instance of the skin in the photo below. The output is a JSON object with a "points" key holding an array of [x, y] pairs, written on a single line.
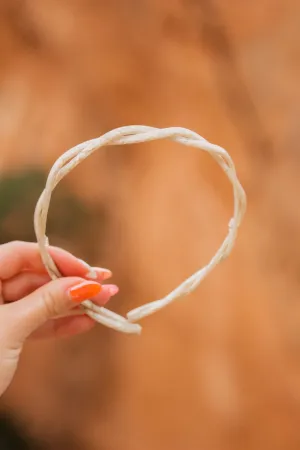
{"points": [[34, 307]]}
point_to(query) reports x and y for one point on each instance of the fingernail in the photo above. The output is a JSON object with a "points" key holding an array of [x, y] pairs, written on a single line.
{"points": [[105, 273], [84, 291], [112, 289], [100, 273], [91, 272]]}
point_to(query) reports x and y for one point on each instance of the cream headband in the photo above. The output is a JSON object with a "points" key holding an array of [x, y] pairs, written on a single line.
{"points": [[132, 135]]}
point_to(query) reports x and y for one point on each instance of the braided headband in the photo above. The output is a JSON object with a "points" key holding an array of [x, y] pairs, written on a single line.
{"points": [[132, 135]]}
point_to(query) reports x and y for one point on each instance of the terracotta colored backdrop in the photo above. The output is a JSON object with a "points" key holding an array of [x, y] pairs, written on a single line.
{"points": [[221, 369]]}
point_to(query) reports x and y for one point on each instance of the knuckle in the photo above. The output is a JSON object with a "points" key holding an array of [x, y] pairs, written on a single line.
{"points": [[14, 244], [50, 303]]}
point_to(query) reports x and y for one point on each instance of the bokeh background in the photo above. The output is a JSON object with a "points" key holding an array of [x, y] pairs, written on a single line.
{"points": [[221, 369]]}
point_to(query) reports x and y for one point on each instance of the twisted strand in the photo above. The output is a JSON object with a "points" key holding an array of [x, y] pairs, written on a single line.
{"points": [[132, 135]]}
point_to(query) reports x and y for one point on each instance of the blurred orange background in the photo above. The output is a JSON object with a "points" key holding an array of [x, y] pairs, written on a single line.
{"points": [[219, 370]]}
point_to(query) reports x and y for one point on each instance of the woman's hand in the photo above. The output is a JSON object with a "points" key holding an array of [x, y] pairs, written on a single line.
{"points": [[31, 305]]}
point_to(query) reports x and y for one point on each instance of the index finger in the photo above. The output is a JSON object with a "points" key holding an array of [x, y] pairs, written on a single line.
{"points": [[16, 257]]}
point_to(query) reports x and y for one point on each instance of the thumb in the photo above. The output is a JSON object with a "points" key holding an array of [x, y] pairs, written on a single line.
{"points": [[53, 299]]}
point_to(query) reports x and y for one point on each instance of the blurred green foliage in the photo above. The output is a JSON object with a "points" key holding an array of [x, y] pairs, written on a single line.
{"points": [[68, 221]]}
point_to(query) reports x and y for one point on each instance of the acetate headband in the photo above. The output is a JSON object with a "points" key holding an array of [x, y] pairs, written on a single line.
{"points": [[132, 135]]}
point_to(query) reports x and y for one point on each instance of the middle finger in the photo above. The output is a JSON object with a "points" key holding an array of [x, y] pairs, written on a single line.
{"points": [[25, 283]]}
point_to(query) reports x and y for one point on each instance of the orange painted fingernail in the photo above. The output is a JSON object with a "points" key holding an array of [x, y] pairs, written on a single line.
{"points": [[84, 291]]}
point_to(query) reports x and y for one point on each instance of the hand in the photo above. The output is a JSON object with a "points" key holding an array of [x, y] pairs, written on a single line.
{"points": [[31, 305]]}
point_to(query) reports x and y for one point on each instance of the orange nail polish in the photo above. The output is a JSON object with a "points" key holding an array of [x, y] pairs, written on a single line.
{"points": [[84, 291]]}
